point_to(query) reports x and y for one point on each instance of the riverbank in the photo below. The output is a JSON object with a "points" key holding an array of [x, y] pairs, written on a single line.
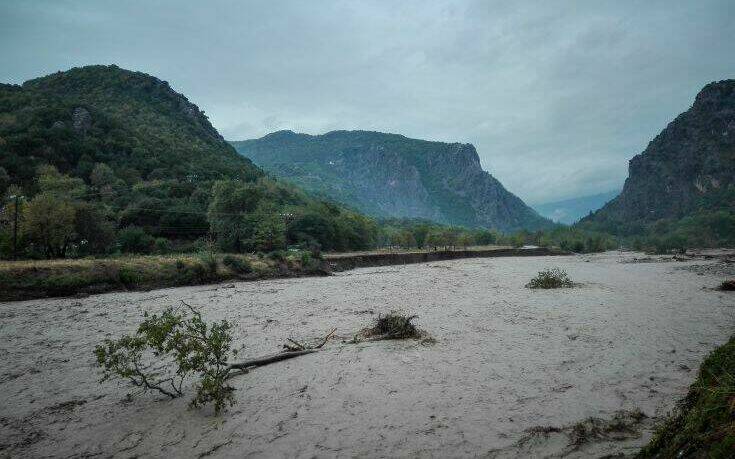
{"points": [[25, 280], [703, 424]]}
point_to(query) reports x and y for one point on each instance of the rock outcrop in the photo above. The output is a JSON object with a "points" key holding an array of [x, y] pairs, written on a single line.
{"points": [[690, 165]]}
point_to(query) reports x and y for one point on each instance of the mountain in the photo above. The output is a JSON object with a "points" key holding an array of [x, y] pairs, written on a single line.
{"points": [[389, 175], [103, 151], [131, 121], [569, 211], [687, 169]]}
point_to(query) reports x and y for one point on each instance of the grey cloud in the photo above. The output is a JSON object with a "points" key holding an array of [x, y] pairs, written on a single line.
{"points": [[556, 96]]}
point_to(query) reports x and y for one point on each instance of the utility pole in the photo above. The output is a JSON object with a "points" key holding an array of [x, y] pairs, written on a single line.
{"points": [[15, 227]]}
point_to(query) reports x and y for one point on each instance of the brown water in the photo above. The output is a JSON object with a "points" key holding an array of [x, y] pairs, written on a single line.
{"points": [[507, 359]]}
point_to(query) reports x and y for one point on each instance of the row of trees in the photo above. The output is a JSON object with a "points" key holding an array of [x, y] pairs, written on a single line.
{"points": [[61, 216]]}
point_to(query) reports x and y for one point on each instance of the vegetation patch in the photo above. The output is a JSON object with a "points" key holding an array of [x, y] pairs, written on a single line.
{"points": [[23, 280], [703, 424], [551, 278], [239, 265], [187, 346]]}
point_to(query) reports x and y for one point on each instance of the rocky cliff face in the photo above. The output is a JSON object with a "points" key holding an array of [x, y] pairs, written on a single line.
{"points": [[690, 165], [393, 176]]}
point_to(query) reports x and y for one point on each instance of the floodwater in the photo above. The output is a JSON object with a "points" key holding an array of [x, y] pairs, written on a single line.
{"points": [[511, 371]]}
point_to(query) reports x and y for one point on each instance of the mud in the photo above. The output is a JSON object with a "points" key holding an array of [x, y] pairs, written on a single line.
{"points": [[507, 361]]}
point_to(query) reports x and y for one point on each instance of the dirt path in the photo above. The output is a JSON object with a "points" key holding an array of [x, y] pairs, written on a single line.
{"points": [[507, 360]]}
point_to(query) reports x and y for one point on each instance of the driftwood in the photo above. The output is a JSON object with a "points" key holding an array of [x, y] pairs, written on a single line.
{"points": [[261, 361], [300, 347], [296, 350]]}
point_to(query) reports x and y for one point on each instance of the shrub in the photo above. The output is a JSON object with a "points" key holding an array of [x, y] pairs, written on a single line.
{"points": [[309, 262], [180, 264], [128, 276], [134, 240], [208, 256], [162, 246], [182, 340], [200, 272], [277, 255], [237, 264], [551, 278]]}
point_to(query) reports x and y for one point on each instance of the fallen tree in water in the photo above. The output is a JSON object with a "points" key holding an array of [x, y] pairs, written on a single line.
{"points": [[168, 348], [184, 345]]}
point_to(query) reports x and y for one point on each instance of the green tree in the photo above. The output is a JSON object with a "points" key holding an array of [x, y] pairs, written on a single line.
{"points": [[134, 240], [102, 176], [95, 234], [465, 239], [269, 232], [228, 213], [48, 222], [486, 237], [51, 181], [435, 239], [406, 239], [419, 235]]}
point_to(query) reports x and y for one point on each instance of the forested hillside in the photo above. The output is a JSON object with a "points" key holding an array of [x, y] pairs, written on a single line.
{"points": [[101, 159]]}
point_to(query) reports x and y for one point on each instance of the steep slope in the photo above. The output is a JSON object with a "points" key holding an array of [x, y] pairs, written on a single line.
{"points": [[131, 121], [389, 175], [569, 211], [688, 168]]}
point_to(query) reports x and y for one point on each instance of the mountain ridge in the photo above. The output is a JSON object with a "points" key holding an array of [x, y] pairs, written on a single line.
{"points": [[391, 175]]}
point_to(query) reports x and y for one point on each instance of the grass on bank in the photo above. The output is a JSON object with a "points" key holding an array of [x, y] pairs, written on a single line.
{"points": [[703, 425], [37, 279]]}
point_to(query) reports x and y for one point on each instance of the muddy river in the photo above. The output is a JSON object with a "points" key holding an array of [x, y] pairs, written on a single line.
{"points": [[511, 372]]}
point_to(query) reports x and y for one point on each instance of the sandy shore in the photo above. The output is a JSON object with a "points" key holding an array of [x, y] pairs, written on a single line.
{"points": [[507, 359]]}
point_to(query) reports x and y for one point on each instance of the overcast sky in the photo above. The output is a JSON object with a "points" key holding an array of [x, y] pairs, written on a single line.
{"points": [[556, 96]]}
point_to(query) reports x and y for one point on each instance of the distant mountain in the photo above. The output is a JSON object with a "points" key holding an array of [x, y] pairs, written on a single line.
{"points": [[689, 167], [389, 175], [569, 211]]}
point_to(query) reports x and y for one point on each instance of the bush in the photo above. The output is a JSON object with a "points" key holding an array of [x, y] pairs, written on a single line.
{"points": [[277, 255], [134, 240], [551, 278], [237, 264], [128, 276], [208, 256], [162, 246], [182, 340]]}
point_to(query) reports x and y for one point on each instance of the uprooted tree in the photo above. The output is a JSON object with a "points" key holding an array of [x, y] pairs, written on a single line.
{"points": [[167, 349]]}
